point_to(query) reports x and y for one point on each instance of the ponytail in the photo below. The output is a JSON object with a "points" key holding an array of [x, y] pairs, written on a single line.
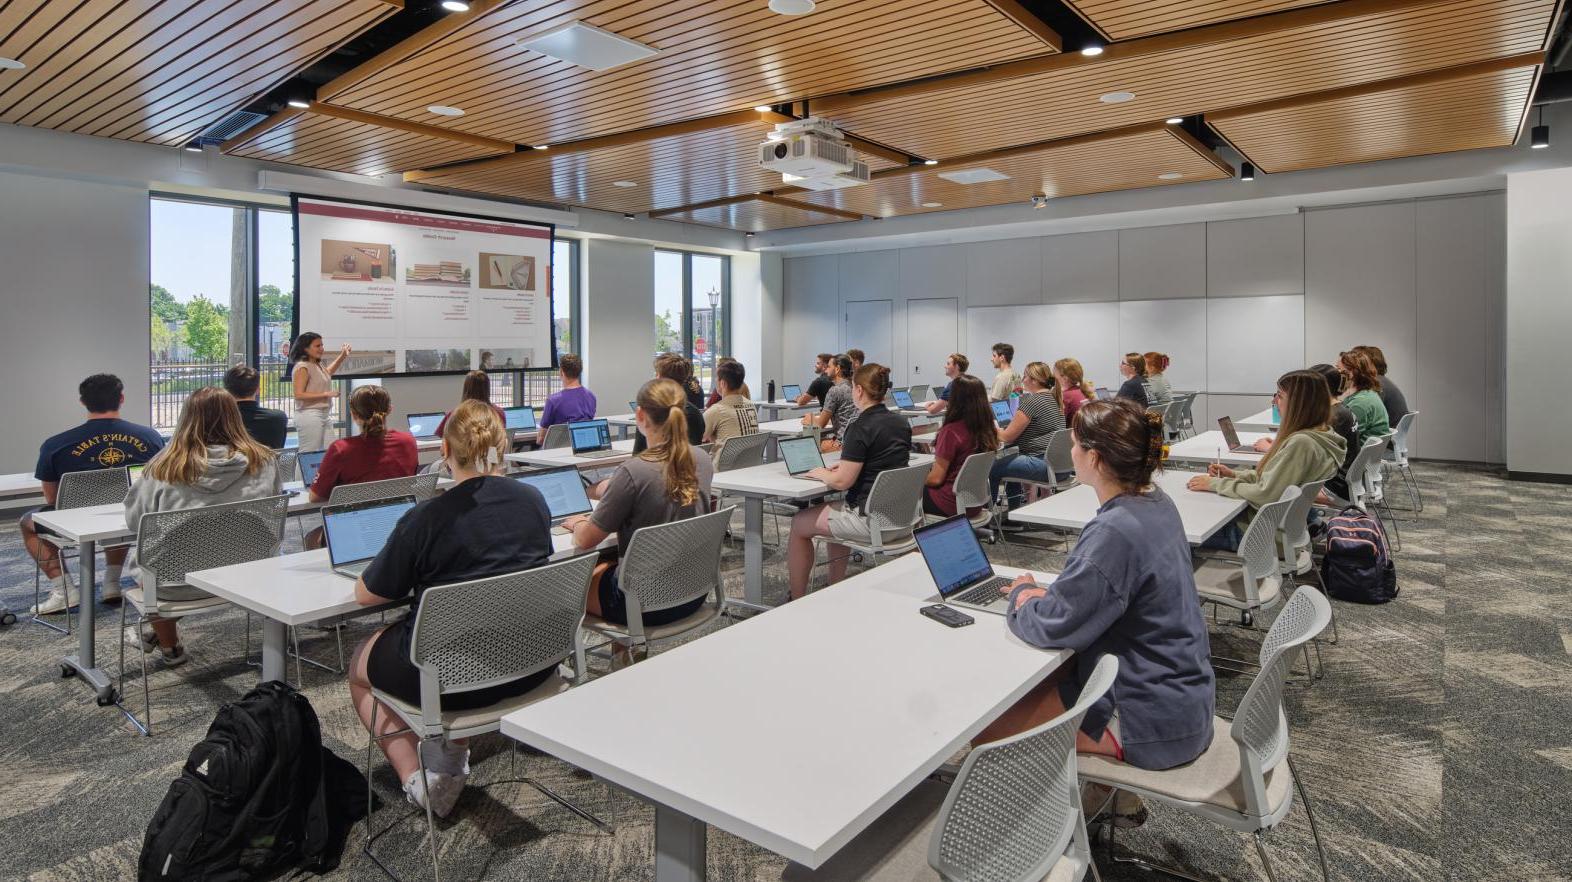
{"points": [[371, 405], [1154, 444], [663, 403]]}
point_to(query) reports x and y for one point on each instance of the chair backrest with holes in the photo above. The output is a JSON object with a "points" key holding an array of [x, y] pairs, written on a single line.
{"points": [[287, 460], [674, 563], [742, 451], [1016, 803], [173, 543], [1259, 545], [489, 631], [556, 436], [1057, 455], [92, 487], [419, 486], [1260, 727], [894, 503], [971, 482]]}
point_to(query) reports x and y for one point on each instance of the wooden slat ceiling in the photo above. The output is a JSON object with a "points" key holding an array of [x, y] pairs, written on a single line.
{"points": [[755, 216], [1083, 165], [355, 147], [715, 56], [1126, 19], [1381, 40], [1456, 113], [161, 72], [667, 172]]}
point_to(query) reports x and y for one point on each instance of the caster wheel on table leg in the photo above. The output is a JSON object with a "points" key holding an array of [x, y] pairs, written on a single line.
{"points": [[67, 672], [7, 619], [1247, 619], [108, 700]]}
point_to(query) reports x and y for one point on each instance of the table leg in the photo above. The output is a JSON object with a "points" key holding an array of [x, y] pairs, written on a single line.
{"points": [[680, 846], [753, 550], [84, 664], [274, 636]]}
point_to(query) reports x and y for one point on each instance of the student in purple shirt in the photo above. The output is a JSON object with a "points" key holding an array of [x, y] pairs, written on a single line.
{"points": [[1127, 589], [573, 404]]}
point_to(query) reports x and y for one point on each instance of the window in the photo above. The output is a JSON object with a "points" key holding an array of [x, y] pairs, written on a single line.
{"points": [[275, 305], [692, 302]]}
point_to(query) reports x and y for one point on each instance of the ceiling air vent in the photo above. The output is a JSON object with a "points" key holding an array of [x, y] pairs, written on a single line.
{"points": [[973, 176], [229, 126]]}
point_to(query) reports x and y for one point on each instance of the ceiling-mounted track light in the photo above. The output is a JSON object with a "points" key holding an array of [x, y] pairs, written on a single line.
{"points": [[1246, 171], [1539, 138]]}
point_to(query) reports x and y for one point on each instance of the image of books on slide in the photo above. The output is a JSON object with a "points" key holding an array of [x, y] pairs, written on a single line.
{"points": [[506, 359], [357, 261], [370, 361], [511, 272], [436, 360], [444, 273]]}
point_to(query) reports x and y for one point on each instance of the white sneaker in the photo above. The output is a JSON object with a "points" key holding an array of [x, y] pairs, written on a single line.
{"points": [[444, 790], [141, 638], [111, 591], [446, 757], [56, 601]]}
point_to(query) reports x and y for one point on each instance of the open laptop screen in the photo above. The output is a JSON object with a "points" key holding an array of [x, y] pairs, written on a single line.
{"points": [[1230, 434], [903, 398], [424, 425], [791, 392], [358, 532], [590, 435], [1002, 412], [954, 556], [800, 455], [519, 419], [563, 489], [310, 464], [1103, 394]]}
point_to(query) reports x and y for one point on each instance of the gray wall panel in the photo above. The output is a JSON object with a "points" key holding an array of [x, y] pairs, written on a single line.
{"points": [[1004, 273], [1454, 294], [811, 318], [1360, 284], [1081, 267], [1162, 262], [1257, 256]]}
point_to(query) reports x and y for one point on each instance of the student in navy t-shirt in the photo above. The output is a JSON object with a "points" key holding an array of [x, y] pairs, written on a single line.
{"points": [[105, 441], [571, 405]]}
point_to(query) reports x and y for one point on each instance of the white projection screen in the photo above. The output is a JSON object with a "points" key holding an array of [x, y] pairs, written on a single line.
{"points": [[417, 291]]}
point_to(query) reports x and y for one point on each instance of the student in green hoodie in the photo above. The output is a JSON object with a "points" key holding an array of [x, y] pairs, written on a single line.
{"points": [[1307, 449], [1362, 394]]}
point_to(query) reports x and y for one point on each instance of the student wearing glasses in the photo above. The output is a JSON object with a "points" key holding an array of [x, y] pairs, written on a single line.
{"points": [[1133, 369]]}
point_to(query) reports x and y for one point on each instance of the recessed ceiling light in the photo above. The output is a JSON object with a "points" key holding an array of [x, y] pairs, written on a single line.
{"points": [[444, 110], [930, 162], [1169, 176], [11, 64], [588, 46], [973, 176], [193, 148], [1092, 51], [1246, 171], [749, 235], [1116, 97], [792, 7], [933, 205], [1175, 120], [297, 102], [455, 5], [624, 184], [542, 146], [764, 108]]}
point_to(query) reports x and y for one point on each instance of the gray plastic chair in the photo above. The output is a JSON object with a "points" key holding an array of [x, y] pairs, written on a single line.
{"points": [[1246, 779], [1056, 456], [287, 463], [1398, 457], [482, 633], [668, 565], [171, 544], [421, 487], [1184, 421], [971, 488], [556, 436], [1252, 581], [741, 451], [1362, 489], [1012, 815], [893, 507], [919, 393], [79, 490]]}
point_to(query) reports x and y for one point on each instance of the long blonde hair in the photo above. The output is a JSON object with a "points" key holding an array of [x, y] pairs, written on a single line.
{"points": [[662, 402], [210, 417], [475, 437], [1071, 370], [1038, 373]]}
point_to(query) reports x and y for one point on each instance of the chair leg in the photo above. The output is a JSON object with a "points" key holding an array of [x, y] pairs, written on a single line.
{"points": [[300, 678], [1315, 832], [431, 818], [1266, 860]]}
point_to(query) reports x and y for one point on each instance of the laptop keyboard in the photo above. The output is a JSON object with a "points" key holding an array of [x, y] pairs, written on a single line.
{"points": [[984, 593]]}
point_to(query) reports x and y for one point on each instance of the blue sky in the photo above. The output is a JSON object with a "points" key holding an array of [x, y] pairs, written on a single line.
{"points": [[191, 248]]}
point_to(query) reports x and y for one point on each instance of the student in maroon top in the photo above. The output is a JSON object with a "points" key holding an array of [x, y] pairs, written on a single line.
{"points": [[969, 428], [477, 387], [372, 454]]}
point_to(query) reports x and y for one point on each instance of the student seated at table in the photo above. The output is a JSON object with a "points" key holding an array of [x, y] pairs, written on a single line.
{"points": [[678, 370], [265, 424], [840, 409], [715, 390], [211, 459], [821, 384], [1362, 394], [572, 404], [104, 441], [1392, 398], [1133, 369], [477, 387], [1127, 589], [1034, 422], [1343, 423], [691, 386], [969, 428], [880, 439], [484, 525], [1306, 449], [733, 414], [375, 453], [1157, 388], [857, 358], [1070, 387], [1006, 380], [668, 482], [954, 366]]}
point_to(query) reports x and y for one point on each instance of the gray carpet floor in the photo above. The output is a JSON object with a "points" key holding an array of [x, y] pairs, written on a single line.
{"points": [[1436, 747]]}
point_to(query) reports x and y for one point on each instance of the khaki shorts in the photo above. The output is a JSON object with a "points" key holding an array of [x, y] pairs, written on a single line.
{"points": [[846, 524]]}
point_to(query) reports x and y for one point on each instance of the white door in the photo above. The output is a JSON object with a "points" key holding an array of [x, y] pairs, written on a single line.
{"points": [[869, 327], [932, 333]]}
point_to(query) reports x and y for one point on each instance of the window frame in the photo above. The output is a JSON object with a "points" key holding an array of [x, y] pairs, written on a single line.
{"points": [[722, 346]]}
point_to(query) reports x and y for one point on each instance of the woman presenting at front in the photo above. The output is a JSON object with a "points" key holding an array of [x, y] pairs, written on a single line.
{"points": [[1127, 589], [314, 391]]}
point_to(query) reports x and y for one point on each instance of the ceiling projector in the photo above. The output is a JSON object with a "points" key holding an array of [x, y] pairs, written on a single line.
{"points": [[810, 153]]}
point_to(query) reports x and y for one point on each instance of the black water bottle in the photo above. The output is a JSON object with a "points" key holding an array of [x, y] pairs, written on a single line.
{"points": [[770, 395]]}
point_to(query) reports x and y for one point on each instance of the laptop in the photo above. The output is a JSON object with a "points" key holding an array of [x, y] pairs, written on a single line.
{"points": [[1231, 436], [1002, 412], [291, 440], [1103, 394], [564, 492], [591, 439], [357, 532], [633, 406], [960, 567], [791, 392], [519, 419], [310, 464], [424, 425], [801, 455], [903, 399]]}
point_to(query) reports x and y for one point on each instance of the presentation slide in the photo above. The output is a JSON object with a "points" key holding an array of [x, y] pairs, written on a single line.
{"points": [[415, 291]]}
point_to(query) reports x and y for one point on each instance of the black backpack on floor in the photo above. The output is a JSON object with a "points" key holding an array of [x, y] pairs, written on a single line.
{"points": [[1357, 566], [258, 796]]}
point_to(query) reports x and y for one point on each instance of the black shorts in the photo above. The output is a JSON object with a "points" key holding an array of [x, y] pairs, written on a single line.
{"points": [[28, 517], [614, 608], [389, 669]]}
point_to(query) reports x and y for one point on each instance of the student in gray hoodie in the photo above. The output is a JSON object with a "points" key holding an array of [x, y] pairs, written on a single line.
{"points": [[210, 460]]}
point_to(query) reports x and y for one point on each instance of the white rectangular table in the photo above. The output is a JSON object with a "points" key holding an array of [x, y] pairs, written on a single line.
{"points": [[781, 405], [831, 709], [770, 481], [1260, 422], [20, 485], [561, 456], [1201, 513], [1210, 447]]}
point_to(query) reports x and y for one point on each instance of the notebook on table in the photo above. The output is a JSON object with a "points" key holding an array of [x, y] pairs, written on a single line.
{"points": [[356, 533]]}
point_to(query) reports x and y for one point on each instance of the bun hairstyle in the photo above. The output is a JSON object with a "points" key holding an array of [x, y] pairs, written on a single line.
{"points": [[1156, 362], [1127, 438], [371, 405], [674, 368], [843, 365], [1137, 363], [874, 381], [663, 401], [475, 437], [1037, 372]]}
